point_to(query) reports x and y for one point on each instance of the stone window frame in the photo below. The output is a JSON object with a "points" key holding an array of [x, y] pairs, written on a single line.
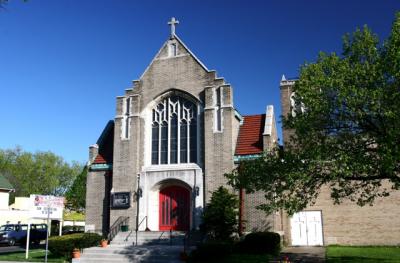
{"points": [[126, 118], [172, 49], [180, 110], [218, 110]]}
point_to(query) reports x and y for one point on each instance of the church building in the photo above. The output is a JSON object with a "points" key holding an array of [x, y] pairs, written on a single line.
{"points": [[176, 133]]}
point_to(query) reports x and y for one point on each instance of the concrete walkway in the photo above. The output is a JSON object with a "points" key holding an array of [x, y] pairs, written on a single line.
{"points": [[302, 255]]}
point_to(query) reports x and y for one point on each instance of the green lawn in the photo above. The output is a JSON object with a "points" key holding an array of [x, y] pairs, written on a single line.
{"points": [[238, 258], [362, 254], [35, 255]]}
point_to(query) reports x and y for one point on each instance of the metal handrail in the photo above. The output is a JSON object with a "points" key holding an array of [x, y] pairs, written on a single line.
{"points": [[116, 227], [147, 229], [137, 228], [127, 237]]}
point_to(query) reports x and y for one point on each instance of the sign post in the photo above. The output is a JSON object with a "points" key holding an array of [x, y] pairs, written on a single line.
{"points": [[44, 207], [48, 230], [27, 239]]}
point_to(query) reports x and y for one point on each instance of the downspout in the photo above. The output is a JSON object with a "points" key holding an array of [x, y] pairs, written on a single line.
{"points": [[241, 211]]}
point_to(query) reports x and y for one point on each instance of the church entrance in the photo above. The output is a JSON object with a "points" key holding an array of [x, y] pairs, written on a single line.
{"points": [[174, 208]]}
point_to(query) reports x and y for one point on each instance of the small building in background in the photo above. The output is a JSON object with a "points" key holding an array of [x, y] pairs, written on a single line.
{"points": [[5, 189]]}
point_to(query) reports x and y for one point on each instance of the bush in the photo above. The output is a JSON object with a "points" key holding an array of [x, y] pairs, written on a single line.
{"points": [[260, 243], [63, 245], [220, 215], [211, 251]]}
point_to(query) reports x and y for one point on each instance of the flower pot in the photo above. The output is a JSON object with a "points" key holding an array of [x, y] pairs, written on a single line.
{"points": [[76, 253], [183, 256], [103, 243]]}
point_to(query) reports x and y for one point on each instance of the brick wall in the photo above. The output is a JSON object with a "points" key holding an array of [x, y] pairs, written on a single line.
{"points": [[348, 223], [98, 200]]}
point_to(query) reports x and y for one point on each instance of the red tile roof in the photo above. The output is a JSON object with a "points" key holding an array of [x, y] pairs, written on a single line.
{"points": [[99, 159], [250, 139]]}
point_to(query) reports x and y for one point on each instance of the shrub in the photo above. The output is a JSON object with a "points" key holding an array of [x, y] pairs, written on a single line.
{"points": [[63, 245], [220, 215], [211, 251], [260, 243]]}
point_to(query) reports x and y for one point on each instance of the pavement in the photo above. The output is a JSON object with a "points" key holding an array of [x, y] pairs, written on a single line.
{"points": [[8, 249], [302, 255]]}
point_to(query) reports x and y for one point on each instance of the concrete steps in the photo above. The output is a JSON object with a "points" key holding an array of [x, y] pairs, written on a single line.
{"points": [[153, 247], [149, 238], [125, 254]]}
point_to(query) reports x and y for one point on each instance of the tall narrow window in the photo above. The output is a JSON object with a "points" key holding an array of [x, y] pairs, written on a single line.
{"points": [[183, 141], [174, 139], [164, 143], [218, 110], [155, 143], [126, 107], [172, 50], [193, 141], [174, 131]]}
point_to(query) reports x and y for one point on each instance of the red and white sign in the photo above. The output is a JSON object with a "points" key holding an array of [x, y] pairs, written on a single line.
{"points": [[44, 206]]}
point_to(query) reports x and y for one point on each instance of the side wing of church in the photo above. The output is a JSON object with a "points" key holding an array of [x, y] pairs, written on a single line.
{"points": [[175, 134]]}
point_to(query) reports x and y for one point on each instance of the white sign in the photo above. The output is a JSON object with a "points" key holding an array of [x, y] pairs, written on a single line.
{"points": [[46, 205], [89, 228]]}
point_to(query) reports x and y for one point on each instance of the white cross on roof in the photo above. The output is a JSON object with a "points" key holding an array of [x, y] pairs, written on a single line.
{"points": [[172, 23]]}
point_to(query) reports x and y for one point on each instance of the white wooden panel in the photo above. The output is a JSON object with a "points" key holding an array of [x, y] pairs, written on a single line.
{"points": [[314, 228], [306, 228], [299, 229]]}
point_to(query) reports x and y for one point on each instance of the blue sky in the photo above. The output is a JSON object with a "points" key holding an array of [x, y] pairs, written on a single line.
{"points": [[62, 63]]}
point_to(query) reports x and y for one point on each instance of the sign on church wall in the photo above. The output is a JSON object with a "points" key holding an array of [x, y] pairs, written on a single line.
{"points": [[120, 200]]}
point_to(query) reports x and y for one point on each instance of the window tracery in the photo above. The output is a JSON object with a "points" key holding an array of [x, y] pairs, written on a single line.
{"points": [[174, 131]]}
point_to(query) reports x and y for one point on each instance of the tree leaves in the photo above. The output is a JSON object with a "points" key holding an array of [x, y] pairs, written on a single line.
{"points": [[76, 195], [348, 138], [37, 173], [220, 215]]}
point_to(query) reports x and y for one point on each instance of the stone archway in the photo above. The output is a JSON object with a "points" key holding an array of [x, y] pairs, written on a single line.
{"points": [[155, 179]]}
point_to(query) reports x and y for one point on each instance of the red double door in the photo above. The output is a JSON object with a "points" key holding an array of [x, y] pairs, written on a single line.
{"points": [[174, 212]]}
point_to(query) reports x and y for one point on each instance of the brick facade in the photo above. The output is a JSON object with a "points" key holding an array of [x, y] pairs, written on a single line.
{"points": [[348, 223], [182, 74]]}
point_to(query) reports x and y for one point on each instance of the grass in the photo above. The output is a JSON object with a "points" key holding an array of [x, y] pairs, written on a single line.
{"points": [[74, 216], [35, 255], [362, 254], [237, 258]]}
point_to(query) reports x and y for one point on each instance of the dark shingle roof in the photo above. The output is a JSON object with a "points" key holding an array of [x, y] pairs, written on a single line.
{"points": [[5, 184]]}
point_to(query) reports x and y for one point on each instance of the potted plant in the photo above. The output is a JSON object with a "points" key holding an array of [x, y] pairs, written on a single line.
{"points": [[103, 242], [183, 256], [76, 253]]}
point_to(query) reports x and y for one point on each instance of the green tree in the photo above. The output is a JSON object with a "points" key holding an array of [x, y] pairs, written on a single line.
{"points": [[37, 173], [346, 129], [76, 194], [220, 217]]}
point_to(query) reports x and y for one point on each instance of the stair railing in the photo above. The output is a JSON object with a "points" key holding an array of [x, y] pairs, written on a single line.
{"points": [[116, 227], [137, 229]]}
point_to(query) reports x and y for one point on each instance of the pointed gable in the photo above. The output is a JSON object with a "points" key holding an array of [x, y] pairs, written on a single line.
{"points": [[172, 48], [106, 145]]}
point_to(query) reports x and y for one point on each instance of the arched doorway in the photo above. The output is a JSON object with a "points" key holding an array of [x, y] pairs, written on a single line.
{"points": [[174, 208]]}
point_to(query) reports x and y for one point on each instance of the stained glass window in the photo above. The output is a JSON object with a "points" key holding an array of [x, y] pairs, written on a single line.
{"points": [[174, 131]]}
